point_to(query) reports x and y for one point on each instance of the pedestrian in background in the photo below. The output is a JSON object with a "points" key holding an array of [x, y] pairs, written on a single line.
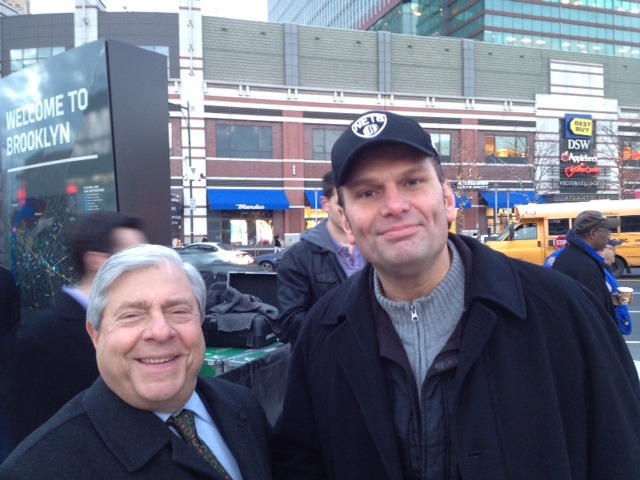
{"points": [[623, 315], [580, 258], [322, 259], [622, 311]]}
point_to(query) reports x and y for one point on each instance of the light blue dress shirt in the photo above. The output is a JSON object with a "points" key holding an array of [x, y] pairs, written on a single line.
{"points": [[77, 295]]}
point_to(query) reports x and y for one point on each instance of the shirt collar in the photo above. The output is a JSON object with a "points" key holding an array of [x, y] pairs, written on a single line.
{"points": [[194, 404], [77, 295]]}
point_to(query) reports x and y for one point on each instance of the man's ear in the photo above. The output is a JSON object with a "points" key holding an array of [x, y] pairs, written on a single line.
{"points": [[324, 201], [93, 333], [449, 202], [346, 226]]}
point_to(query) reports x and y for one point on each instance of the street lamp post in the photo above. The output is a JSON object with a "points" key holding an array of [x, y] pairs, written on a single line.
{"points": [[315, 208], [189, 177], [190, 172], [495, 209]]}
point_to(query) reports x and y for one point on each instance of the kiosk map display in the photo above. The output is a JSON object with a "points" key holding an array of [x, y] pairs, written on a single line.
{"points": [[82, 131]]}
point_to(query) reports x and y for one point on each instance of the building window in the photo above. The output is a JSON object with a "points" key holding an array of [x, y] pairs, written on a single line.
{"points": [[631, 153], [323, 141], [442, 142], [24, 57], [505, 149], [558, 226], [629, 223], [244, 141]]}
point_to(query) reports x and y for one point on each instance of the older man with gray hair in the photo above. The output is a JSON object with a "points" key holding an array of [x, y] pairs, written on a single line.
{"points": [[149, 415]]}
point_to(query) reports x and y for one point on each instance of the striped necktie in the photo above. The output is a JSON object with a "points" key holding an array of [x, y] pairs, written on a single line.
{"points": [[185, 424]]}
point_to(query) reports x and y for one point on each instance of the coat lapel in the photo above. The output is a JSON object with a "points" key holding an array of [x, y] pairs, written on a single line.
{"points": [[356, 349], [138, 435], [236, 430]]}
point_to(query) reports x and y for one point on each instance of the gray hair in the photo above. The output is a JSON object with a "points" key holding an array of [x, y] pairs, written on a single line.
{"points": [[136, 258]]}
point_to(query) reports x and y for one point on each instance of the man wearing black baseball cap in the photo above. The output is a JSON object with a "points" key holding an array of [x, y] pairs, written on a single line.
{"points": [[376, 128], [443, 359], [581, 260]]}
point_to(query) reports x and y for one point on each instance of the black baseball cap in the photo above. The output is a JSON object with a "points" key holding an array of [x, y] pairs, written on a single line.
{"points": [[592, 219], [373, 128]]}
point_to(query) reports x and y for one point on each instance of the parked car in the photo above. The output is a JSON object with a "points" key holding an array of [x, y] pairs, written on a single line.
{"points": [[269, 261], [221, 251], [214, 270]]}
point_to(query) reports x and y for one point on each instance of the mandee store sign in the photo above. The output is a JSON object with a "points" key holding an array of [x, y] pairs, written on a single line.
{"points": [[578, 162]]}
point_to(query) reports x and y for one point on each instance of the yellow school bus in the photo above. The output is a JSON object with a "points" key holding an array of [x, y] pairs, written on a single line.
{"points": [[540, 229]]}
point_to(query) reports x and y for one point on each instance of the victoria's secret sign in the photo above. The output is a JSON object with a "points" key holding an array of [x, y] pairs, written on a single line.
{"points": [[578, 161]]}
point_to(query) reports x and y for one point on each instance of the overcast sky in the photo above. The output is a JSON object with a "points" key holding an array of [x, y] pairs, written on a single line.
{"points": [[247, 9]]}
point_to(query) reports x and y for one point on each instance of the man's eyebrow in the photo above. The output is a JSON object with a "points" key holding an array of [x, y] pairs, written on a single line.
{"points": [[366, 180], [361, 181], [144, 304], [173, 302], [132, 304]]}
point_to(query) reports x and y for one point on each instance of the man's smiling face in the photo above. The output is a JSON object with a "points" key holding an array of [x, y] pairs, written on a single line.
{"points": [[150, 346]]}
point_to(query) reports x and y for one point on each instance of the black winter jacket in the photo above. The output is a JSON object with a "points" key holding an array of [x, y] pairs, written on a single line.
{"points": [[543, 387], [308, 270], [576, 262], [422, 421], [55, 360]]}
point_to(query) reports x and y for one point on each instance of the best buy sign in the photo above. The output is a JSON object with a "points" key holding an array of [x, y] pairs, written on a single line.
{"points": [[578, 126]]}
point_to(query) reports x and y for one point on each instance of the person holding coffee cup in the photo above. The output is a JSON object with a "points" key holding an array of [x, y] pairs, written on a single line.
{"points": [[625, 295], [620, 301]]}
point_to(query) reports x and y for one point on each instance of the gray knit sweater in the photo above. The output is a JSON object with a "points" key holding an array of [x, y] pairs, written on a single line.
{"points": [[426, 323]]}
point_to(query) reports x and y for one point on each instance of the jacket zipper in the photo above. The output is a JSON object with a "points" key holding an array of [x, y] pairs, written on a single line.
{"points": [[414, 313]]}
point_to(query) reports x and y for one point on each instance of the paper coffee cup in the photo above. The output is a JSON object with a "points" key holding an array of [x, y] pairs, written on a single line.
{"points": [[625, 295]]}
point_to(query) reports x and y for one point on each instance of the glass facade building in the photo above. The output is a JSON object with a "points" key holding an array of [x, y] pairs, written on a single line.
{"points": [[608, 27], [327, 13]]}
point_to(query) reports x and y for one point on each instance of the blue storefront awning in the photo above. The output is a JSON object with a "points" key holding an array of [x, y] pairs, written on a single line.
{"points": [[313, 199], [463, 202], [222, 199], [510, 199]]}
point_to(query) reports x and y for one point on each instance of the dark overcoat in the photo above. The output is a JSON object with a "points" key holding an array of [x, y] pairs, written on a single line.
{"points": [[545, 386], [99, 436], [54, 361], [587, 269]]}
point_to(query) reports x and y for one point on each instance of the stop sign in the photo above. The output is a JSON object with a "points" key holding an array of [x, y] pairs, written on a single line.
{"points": [[560, 241]]}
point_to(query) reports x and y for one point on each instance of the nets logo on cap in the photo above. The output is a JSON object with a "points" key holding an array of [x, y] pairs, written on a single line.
{"points": [[369, 125]]}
